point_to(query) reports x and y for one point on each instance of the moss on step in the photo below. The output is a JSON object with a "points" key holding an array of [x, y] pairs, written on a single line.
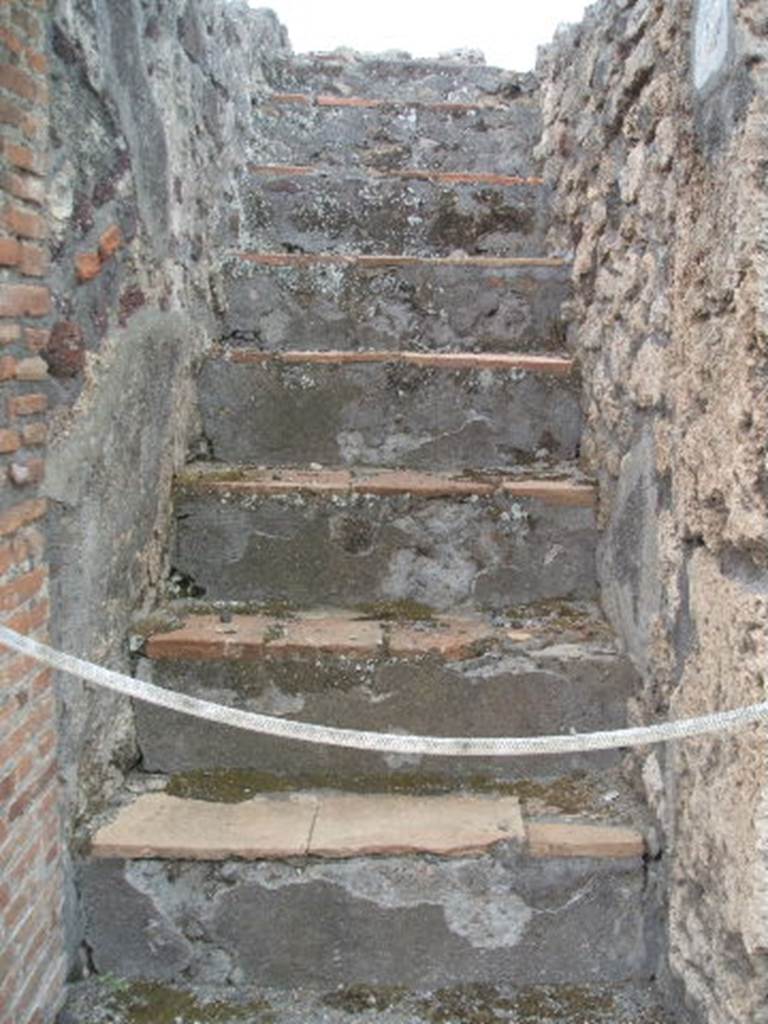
{"points": [[563, 1002], [359, 998], [557, 614], [485, 1004], [466, 1004], [152, 1002], [401, 610], [569, 794]]}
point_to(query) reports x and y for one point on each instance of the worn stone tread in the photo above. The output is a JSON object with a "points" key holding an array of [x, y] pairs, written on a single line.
{"points": [[557, 365], [568, 839], [322, 100], [375, 261], [246, 637], [406, 174], [98, 1000], [274, 481], [337, 825]]}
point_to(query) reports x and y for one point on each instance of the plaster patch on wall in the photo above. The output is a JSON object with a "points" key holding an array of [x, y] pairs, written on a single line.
{"points": [[710, 46]]}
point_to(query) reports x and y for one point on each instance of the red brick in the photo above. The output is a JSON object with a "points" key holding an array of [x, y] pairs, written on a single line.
{"points": [[33, 260], [34, 434], [10, 252], [31, 368], [25, 223], [24, 158], [37, 61], [9, 442], [21, 589], [29, 620], [33, 127], [36, 338], [11, 113], [9, 333], [24, 300], [27, 798], [110, 241], [23, 514], [11, 41], [87, 266], [28, 23], [22, 474], [28, 188], [27, 405], [22, 84]]}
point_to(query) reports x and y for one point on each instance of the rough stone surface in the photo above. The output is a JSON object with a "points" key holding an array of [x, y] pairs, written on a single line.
{"points": [[387, 415], [97, 1002], [656, 154], [528, 689], [381, 138], [336, 307], [413, 921], [374, 214], [486, 552], [152, 92]]}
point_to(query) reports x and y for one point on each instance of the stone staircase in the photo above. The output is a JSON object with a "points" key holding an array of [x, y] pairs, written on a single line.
{"points": [[388, 530]]}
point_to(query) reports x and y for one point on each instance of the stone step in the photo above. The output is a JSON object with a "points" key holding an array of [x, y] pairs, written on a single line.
{"points": [[337, 537], [364, 889], [359, 131], [426, 81], [484, 1003], [311, 212], [405, 174], [554, 670], [299, 300], [420, 410]]}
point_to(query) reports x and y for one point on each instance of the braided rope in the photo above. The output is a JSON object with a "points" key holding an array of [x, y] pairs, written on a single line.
{"points": [[388, 743]]}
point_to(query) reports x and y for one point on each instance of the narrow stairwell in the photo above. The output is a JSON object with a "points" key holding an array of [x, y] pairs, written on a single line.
{"points": [[389, 532]]}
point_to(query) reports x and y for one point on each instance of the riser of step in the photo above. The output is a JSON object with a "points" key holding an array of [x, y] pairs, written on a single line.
{"points": [[521, 691], [500, 139], [383, 214], [319, 306], [423, 80], [350, 549], [413, 921], [386, 414]]}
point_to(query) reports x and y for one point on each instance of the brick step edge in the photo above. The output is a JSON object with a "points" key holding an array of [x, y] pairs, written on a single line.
{"points": [[383, 483], [369, 103], [248, 637], [374, 262], [408, 174], [557, 365], [343, 825]]}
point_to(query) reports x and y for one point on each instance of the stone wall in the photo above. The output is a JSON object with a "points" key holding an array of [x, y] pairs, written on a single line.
{"points": [[656, 143], [32, 963], [151, 105]]}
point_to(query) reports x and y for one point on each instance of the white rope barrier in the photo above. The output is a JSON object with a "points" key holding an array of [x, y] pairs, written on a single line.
{"points": [[386, 743]]}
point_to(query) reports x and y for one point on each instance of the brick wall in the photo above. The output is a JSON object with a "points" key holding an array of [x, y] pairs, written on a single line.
{"points": [[31, 945]]}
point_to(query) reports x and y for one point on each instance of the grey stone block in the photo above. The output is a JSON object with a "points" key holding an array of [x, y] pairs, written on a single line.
{"points": [[396, 78], [385, 138], [529, 692], [347, 213], [386, 415], [414, 921], [477, 309], [344, 551]]}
